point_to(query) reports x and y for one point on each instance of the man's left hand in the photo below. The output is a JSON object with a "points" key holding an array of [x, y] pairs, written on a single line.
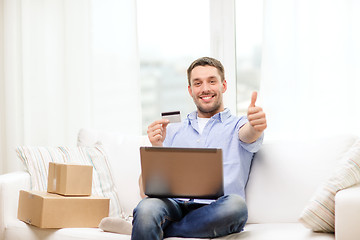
{"points": [[255, 115]]}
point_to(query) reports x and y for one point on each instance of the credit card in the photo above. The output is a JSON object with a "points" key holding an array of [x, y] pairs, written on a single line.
{"points": [[173, 117]]}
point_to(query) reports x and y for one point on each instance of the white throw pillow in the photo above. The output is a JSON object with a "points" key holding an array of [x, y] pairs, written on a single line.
{"points": [[319, 214], [36, 160]]}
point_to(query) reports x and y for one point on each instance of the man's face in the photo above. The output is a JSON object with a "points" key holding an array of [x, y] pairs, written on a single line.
{"points": [[207, 90]]}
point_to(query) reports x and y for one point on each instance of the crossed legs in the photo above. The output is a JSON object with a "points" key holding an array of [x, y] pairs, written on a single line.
{"points": [[158, 218]]}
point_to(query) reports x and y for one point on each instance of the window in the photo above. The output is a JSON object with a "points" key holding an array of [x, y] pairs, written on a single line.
{"points": [[171, 35], [249, 26], [174, 33]]}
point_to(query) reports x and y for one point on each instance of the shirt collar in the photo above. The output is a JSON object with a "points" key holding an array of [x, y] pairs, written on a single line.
{"points": [[221, 116]]}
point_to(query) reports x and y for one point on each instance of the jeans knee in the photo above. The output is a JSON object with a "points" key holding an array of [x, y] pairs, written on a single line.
{"points": [[147, 220], [147, 207], [236, 207]]}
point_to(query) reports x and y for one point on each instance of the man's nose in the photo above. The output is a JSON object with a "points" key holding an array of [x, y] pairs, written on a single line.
{"points": [[205, 87]]}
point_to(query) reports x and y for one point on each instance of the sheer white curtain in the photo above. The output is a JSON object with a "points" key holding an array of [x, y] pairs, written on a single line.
{"points": [[65, 65], [311, 68]]}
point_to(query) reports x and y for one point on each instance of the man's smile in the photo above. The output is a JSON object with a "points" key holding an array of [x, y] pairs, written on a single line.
{"points": [[207, 98]]}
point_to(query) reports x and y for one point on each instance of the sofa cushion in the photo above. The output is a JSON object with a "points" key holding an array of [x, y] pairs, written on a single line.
{"points": [[286, 173], [20, 230], [36, 160], [278, 231], [282, 231], [319, 214]]}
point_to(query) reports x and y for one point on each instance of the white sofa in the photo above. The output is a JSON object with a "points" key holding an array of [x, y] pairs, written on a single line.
{"points": [[284, 176]]}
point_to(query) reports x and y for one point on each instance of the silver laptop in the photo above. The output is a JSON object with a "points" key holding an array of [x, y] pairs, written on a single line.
{"points": [[182, 172]]}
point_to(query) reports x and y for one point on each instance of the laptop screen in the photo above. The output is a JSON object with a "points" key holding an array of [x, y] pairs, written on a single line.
{"points": [[182, 172]]}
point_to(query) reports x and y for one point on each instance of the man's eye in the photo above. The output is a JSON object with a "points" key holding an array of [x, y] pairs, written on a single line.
{"points": [[197, 84]]}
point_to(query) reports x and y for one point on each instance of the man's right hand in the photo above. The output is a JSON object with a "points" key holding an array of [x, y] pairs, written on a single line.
{"points": [[157, 132]]}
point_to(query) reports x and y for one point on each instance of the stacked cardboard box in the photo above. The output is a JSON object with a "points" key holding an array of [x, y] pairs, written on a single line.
{"points": [[68, 201]]}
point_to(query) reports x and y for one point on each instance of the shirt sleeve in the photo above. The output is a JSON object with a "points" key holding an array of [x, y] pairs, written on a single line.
{"points": [[171, 129], [250, 147]]}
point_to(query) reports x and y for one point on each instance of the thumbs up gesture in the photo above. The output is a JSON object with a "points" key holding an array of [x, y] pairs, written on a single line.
{"points": [[255, 115]]}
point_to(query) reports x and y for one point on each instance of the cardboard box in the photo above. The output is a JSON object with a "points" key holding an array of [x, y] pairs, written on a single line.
{"points": [[70, 179], [47, 210]]}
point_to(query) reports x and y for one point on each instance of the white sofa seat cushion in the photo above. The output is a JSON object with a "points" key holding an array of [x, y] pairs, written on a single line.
{"points": [[20, 230], [279, 231]]}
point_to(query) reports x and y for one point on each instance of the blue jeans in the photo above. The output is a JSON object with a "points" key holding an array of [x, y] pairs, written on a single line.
{"points": [[156, 218]]}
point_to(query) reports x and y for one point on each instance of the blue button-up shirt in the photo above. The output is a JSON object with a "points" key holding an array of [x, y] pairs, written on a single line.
{"points": [[221, 131]]}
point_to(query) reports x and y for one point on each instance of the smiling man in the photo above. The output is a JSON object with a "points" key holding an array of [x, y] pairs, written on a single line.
{"points": [[206, 87], [210, 126]]}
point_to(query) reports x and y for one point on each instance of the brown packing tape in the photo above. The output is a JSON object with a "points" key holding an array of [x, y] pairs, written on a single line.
{"points": [[51, 178], [62, 180], [54, 181]]}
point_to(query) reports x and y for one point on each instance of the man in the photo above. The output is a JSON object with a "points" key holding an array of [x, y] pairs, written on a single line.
{"points": [[210, 126]]}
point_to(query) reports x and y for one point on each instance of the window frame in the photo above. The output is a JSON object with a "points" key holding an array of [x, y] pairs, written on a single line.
{"points": [[223, 45]]}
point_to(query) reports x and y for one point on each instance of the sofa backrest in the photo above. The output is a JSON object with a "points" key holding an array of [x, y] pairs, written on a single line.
{"points": [[285, 175]]}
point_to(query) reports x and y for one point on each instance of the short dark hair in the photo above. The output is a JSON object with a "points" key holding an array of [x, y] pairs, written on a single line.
{"points": [[206, 61]]}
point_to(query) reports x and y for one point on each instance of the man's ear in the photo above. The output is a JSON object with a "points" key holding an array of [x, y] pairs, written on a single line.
{"points": [[190, 90], [224, 83]]}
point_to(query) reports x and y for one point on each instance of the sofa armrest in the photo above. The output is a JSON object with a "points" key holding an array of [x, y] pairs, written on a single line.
{"points": [[10, 185], [347, 217]]}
